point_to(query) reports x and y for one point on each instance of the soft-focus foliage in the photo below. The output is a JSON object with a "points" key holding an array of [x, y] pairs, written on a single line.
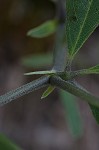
{"points": [[43, 30], [38, 60], [72, 113], [6, 144]]}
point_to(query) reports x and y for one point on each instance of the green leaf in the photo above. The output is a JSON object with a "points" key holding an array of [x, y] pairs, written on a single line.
{"points": [[72, 113], [49, 90], [6, 144], [92, 70], [82, 19], [44, 30], [41, 72], [95, 111], [37, 61]]}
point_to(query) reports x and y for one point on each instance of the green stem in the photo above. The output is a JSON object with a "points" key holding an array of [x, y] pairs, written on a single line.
{"points": [[68, 64], [59, 56], [23, 90], [72, 74], [75, 90]]}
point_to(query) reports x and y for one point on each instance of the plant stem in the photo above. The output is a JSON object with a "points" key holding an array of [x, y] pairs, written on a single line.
{"points": [[75, 90], [68, 63], [23, 90], [59, 56]]}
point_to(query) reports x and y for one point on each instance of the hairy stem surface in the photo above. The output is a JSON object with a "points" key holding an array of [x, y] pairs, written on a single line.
{"points": [[23, 90], [75, 90]]}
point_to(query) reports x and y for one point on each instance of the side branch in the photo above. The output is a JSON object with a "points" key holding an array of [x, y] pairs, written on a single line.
{"points": [[23, 90], [75, 90]]}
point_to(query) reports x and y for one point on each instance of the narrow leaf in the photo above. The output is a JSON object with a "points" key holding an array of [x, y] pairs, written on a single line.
{"points": [[6, 144], [95, 111], [41, 72], [43, 30], [92, 70], [23, 90], [49, 90], [72, 113], [82, 19]]}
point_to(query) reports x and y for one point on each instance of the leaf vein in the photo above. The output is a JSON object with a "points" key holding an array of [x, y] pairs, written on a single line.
{"points": [[81, 28]]}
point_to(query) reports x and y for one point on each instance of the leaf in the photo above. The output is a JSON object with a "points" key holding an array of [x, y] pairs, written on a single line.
{"points": [[23, 90], [6, 144], [95, 111], [44, 30], [49, 90], [37, 61], [72, 113], [82, 19], [41, 72], [92, 70]]}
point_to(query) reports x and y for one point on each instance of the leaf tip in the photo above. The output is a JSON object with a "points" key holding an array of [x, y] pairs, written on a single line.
{"points": [[43, 96]]}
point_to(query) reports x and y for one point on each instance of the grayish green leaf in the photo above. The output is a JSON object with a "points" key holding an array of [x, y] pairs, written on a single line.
{"points": [[95, 111], [50, 72], [44, 30], [49, 90], [82, 19], [72, 113], [92, 70]]}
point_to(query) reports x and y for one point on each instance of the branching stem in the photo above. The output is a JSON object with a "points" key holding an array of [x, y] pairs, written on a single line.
{"points": [[75, 90], [23, 90]]}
